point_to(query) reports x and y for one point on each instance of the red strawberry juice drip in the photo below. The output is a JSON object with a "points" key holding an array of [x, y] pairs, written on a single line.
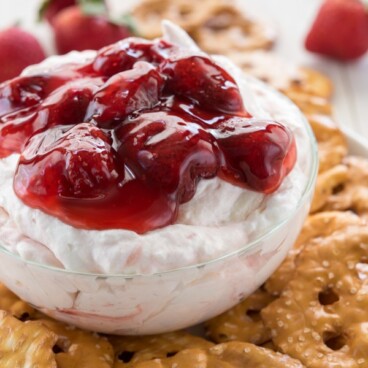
{"points": [[121, 141]]}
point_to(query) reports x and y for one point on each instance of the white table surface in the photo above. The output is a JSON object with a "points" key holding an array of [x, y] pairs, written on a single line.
{"points": [[291, 18]]}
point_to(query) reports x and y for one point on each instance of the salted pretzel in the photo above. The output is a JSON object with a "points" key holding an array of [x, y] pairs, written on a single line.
{"points": [[332, 145], [352, 194], [228, 29], [25, 344], [243, 354], [77, 348], [316, 227], [188, 14], [129, 350], [269, 345], [309, 104], [242, 322], [327, 182], [311, 82], [227, 355], [266, 66], [216, 25], [283, 75], [11, 303], [321, 316]]}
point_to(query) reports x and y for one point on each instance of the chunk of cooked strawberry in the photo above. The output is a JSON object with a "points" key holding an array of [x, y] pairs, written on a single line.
{"points": [[257, 154], [27, 91], [168, 152], [68, 104], [204, 83], [15, 130], [126, 92], [66, 162], [73, 173], [122, 56], [65, 106]]}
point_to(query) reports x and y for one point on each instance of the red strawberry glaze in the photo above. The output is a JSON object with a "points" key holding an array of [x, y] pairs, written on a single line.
{"points": [[122, 55], [73, 173], [123, 140], [65, 106], [124, 93], [204, 83]]}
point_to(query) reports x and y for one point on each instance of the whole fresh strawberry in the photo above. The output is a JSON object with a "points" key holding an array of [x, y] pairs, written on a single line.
{"points": [[50, 8], [18, 49], [340, 30], [75, 30]]}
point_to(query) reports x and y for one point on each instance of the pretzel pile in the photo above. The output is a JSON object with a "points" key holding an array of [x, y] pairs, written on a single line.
{"points": [[38, 341]]}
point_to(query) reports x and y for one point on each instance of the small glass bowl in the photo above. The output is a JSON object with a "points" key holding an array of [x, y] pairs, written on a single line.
{"points": [[160, 302]]}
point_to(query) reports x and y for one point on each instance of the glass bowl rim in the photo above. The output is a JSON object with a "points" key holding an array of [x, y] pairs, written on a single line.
{"points": [[249, 246]]}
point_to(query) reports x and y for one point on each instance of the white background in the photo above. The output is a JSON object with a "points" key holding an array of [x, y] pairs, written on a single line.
{"points": [[291, 18]]}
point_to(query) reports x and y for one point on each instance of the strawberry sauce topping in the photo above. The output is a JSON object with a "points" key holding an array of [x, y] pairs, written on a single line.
{"points": [[123, 140]]}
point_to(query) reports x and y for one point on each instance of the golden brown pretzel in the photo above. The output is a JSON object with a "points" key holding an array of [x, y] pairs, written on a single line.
{"points": [[185, 13], [227, 355], [313, 83], [77, 348], [25, 344], [218, 26], [11, 303], [132, 349], [321, 316], [50, 344], [327, 182], [316, 227], [227, 29], [242, 322], [309, 104], [282, 75], [332, 145], [352, 194]]}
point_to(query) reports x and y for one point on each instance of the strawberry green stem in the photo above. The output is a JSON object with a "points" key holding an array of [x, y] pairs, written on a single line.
{"points": [[365, 3], [93, 7], [44, 5]]}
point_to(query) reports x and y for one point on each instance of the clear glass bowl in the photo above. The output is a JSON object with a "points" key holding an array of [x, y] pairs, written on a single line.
{"points": [[160, 302]]}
